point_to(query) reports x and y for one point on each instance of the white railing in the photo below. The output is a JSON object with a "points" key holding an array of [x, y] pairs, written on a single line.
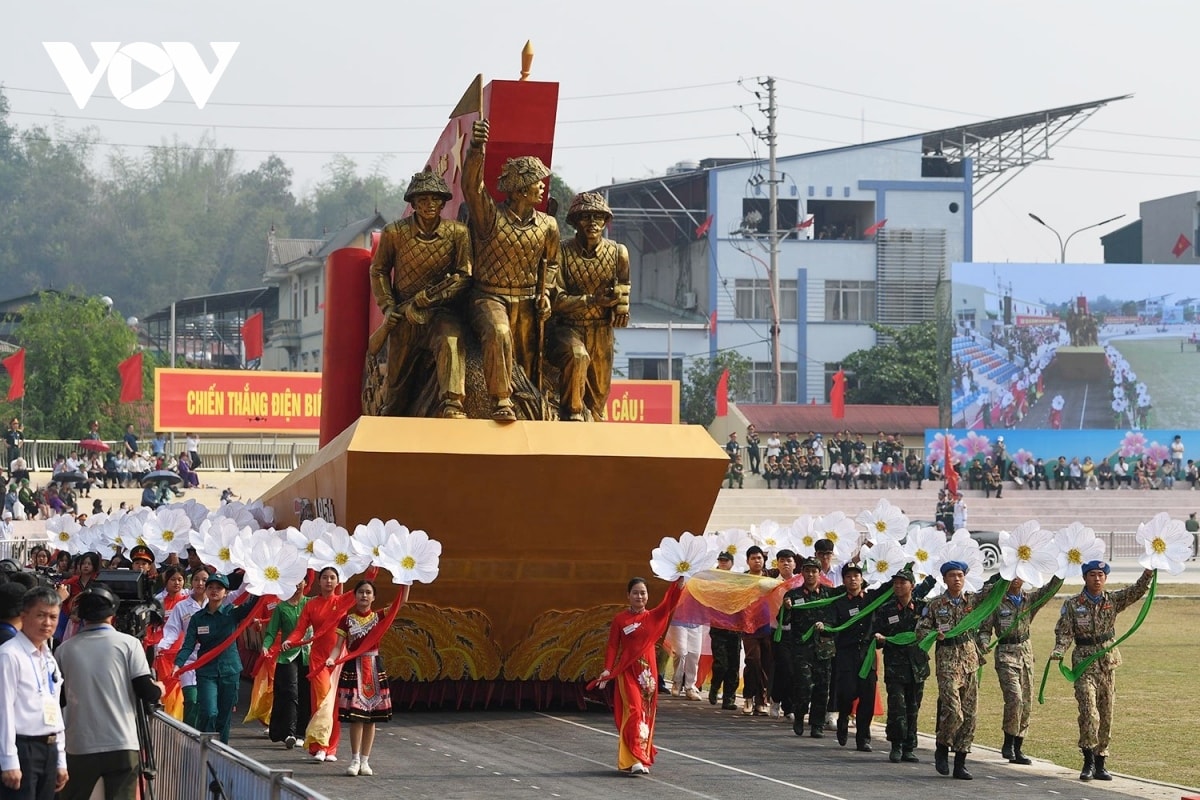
{"points": [[263, 454]]}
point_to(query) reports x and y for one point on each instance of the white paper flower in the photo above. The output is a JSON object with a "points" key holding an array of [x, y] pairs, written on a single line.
{"points": [[1167, 544], [167, 531], [265, 515], [218, 538], [274, 567], [839, 529], [309, 533], [336, 549], [923, 547], [370, 538], [1028, 553], [881, 561], [736, 542], [962, 547], [238, 512], [67, 534], [885, 523], [196, 512], [804, 537], [410, 556], [684, 556], [1077, 544], [106, 535], [132, 528]]}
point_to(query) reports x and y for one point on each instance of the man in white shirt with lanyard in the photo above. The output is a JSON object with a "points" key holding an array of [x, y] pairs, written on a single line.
{"points": [[33, 756]]}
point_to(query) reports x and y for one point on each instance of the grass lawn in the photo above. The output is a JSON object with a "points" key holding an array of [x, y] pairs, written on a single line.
{"points": [[1155, 707], [1172, 377]]}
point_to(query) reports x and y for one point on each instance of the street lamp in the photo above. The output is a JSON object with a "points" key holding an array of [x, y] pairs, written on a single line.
{"points": [[1063, 244]]}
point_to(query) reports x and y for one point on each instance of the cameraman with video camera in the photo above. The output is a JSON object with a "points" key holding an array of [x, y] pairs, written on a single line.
{"points": [[106, 681]]}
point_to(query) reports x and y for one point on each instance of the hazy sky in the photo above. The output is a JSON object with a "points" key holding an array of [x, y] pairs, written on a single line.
{"points": [[1123, 282], [647, 84]]}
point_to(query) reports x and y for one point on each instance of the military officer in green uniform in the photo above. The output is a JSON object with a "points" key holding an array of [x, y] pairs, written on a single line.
{"points": [[905, 667], [810, 660]]}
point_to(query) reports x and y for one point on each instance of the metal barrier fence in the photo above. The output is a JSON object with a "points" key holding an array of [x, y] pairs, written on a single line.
{"points": [[17, 549], [188, 761], [263, 454]]}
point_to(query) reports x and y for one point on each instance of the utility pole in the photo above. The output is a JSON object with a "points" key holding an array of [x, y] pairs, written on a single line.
{"points": [[773, 233]]}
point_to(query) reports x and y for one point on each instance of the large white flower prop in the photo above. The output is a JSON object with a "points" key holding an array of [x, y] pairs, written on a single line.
{"points": [[67, 534], [736, 542], [272, 565], [684, 557], [1028, 553], [105, 535], [196, 512], [1077, 545], [219, 542], [265, 515], [773, 537], [308, 534], [804, 536], [839, 529], [239, 513], [369, 539], [962, 547], [1167, 544], [881, 561], [132, 529], [410, 556], [336, 549], [885, 523], [167, 531], [923, 547]]}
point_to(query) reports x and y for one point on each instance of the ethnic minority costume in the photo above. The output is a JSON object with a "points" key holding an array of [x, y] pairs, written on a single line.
{"points": [[363, 694], [631, 662]]}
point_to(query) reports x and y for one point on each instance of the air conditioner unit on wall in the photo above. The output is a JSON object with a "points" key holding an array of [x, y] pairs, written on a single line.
{"points": [[690, 300]]}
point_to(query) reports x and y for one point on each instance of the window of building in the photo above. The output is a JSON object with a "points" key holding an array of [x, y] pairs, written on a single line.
{"points": [[752, 299], [762, 382], [305, 303], [654, 369], [850, 301], [756, 215], [295, 298], [841, 219]]}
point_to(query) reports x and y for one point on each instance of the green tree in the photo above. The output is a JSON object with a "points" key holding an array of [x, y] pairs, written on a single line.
{"points": [[561, 194], [72, 347], [901, 372], [698, 395]]}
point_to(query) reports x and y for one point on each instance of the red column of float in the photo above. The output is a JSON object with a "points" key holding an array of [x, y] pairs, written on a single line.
{"points": [[347, 309]]}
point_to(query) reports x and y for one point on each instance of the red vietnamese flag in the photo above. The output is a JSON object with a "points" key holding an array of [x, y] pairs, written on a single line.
{"points": [[951, 475], [15, 364], [723, 394], [702, 230], [130, 371], [1181, 246], [712, 323], [806, 222], [837, 395], [876, 228], [252, 336]]}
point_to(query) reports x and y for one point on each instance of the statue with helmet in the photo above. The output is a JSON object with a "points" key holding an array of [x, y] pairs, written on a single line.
{"points": [[422, 264], [590, 299]]}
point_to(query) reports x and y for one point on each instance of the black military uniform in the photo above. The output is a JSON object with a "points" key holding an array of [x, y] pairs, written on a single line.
{"points": [[810, 660], [851, 650], [905, 669]]}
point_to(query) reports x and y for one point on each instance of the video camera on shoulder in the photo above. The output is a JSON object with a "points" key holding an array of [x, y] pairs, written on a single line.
{"points": [[135, 608]]}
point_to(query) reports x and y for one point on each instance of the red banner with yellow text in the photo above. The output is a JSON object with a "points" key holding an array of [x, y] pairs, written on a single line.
{"points": [[237, 401], [644, 401]]}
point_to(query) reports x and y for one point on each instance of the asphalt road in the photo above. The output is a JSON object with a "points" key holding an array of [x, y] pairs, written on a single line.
{"points": [[703, 753]]}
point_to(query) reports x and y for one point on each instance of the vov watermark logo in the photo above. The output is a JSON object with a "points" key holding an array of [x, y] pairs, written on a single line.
{"points": [[117, 61]]}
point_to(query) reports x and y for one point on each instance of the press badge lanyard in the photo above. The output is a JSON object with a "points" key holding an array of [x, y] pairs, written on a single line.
{"points": [[49, 673]]}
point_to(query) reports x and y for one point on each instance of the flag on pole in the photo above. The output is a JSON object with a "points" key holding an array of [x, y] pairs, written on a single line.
{"points": [[806, 222], [130, 371], [837, 395], [712, 323], [723, 394], [1181, 246], [702, 230], [951, 474], [252, 336], [15, 364], [876, 228]]}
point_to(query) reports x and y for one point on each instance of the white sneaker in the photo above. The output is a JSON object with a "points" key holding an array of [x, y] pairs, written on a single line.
{"points": [[365, 769], [639, 768], [330, 757], [319, 755], [352, 770], [748, 706], [693, 694], [762, 709], [674, 690], [289, 742]]}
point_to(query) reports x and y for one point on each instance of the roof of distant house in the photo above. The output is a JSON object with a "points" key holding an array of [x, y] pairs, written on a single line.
{"points": [[864, 419]]}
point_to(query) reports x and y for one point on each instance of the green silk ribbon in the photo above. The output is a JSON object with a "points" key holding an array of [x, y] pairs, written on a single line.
{"points": [[903, 638], [972, 620], [859, 617]]}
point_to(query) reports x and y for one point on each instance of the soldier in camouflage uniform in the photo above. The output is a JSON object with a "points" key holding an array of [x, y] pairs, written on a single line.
{"points": [[422, 263], [1087, 621], [591, 299], [956, 661], [1014, 661], [905, 667], [810, 660], [516, 253]]}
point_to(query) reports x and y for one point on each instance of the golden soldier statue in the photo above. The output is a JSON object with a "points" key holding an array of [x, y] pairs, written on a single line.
{"points": [[516, 257], [422, 263], [591, 299]]}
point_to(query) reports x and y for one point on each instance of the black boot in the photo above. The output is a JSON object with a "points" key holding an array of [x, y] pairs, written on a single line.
{"points": [[941, 759], [798, 725], [1017, 756], [1007, 750], [909, 757], [960, 767], [843, 729], [817, 731], [1088, 764], [894, 755], [1101, 773]]}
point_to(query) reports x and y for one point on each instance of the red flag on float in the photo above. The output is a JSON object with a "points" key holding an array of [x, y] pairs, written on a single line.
{"points": [[15, 364], [723, 394], [837, 395], [1181, 246], [712, 323], [252, 336], [130, 371], [950, 472], [876, 228], [702, 230]]}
